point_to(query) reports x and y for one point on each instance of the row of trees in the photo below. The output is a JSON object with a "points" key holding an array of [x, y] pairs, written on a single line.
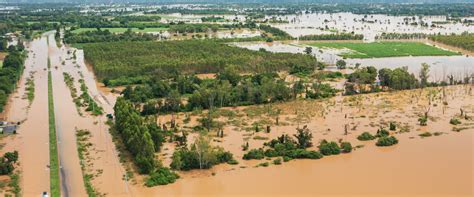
{"points": [[465, 41], [341, 36], [106, 36], [10, 73]]}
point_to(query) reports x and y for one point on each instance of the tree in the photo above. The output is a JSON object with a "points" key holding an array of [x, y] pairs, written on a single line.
{"points": [[424, 74], [308, 50], [341, 64], [303, 137]]}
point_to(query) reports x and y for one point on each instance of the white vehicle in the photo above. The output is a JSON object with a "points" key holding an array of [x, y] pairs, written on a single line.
{"points": [[45, 194]]}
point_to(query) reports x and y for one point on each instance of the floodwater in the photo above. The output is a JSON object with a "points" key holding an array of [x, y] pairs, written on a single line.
{"points": [[367, 25], [32, 140], [440, 66], [435, 166]]}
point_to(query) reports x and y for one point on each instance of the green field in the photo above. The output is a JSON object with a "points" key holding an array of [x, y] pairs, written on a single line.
{"points": [[121, 30], [385, 49], [1, 64]]}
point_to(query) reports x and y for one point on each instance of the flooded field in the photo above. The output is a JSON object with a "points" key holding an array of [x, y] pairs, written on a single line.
{"points": [[440, 165], [368, 25], [440, 66]]}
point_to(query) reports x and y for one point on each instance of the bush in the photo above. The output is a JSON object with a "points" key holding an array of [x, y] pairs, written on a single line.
{"points": [[264, 164], [386, 141], [366, 136], [329, 148], [162, 176], [423, 120], [425, 134], [286, 158], [277, 161], [454, 121], [346, 147], [271, 153], [393, 126], [382, 133], [304, 154], [254, 154], [233, 162]]}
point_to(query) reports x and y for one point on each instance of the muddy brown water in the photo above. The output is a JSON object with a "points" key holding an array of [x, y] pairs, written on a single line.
{"points": [[33, 134], [435, 166]]}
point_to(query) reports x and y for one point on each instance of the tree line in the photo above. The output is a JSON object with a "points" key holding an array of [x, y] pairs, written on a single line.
{"points": [[10, 73]]}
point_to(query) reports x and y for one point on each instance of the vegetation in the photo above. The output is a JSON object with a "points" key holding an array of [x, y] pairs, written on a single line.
{"points": [[30, 88], [10, 73], [386, 141], [83, 145], [341, 36], [464, 41], [385, 49], [106, 36], [329, 148], [162, 176], [286, 147], [346, 147], [426, 134], [277, 34], [454, 121], [53, 146], [121, 62], [366, 136], [89, 102], [201, 155], [7, 161]]}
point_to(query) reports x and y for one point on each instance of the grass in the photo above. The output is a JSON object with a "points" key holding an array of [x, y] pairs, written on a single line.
{"points": [[121, 30], [30, 88], [385, 49], [15, 184], [53, 146], [82, 141], [1, 64]]}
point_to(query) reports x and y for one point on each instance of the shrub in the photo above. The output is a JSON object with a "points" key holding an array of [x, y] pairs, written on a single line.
{"points": [[254, 154], [304, 154], [382, 133], [346, 147], [264, 164], [11, 156], [286, 158], [233, 162], [454, 121], [366, 136], [162, 176], [387, 141], [423, 120], [329, 148], [277, 161], [271, 153], [425, 134], [393, 126]]}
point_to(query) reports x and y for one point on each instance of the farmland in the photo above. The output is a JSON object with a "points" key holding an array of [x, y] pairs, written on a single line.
{"points": [[122, 30], [385, 49]]}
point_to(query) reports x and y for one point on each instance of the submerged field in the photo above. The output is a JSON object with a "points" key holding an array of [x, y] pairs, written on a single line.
{"points": [[385, 49]]}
